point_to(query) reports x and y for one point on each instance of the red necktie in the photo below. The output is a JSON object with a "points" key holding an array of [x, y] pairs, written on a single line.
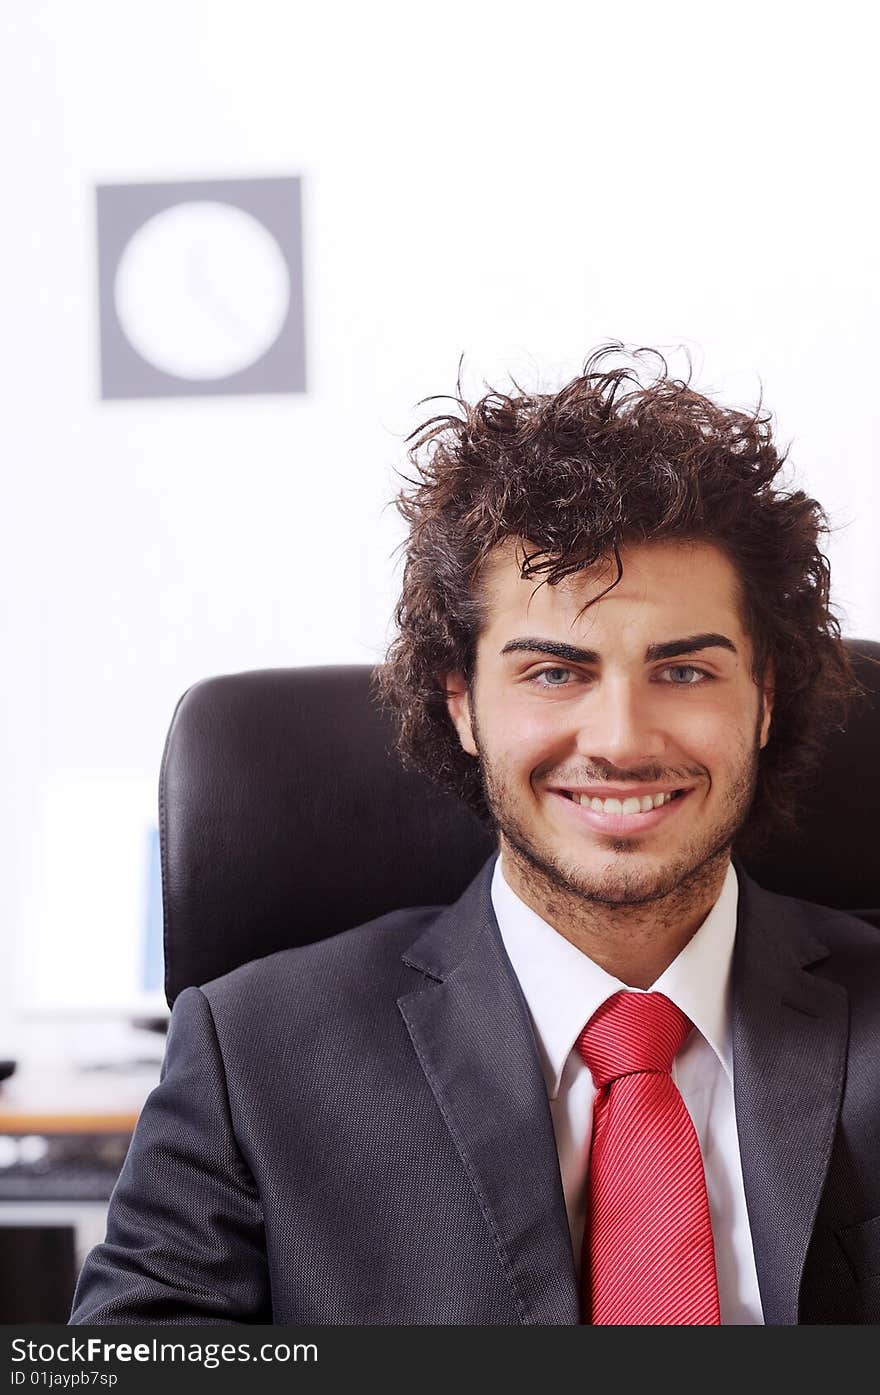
{"points": [[648, 1256]]}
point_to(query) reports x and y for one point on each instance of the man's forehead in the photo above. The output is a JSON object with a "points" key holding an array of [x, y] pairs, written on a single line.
{"points": [[672, 575]]}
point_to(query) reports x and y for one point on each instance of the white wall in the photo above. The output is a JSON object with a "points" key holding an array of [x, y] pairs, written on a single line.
{"points": [[514, 183]]}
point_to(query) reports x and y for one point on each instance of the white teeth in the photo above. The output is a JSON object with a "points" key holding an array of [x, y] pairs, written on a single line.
{"points": [[631, 805]]}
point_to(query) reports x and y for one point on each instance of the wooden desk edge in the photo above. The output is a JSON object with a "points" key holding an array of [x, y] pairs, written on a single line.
{"points": [[23, 1121]]}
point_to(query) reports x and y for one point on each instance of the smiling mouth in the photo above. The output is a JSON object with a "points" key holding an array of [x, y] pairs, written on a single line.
{"points": [[622, 819], [629, 807]]}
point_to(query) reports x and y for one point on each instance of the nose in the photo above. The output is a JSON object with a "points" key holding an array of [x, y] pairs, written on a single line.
{"points": [[619, 724]]}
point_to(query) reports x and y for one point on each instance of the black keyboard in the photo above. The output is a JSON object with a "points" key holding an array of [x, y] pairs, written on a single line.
{"points": [[58, 1184], [60, 1166]]}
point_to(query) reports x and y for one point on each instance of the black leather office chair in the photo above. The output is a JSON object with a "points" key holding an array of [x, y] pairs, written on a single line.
{"points": [[285, 817]]}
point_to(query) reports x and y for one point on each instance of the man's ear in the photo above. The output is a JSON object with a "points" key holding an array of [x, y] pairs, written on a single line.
{"points": [[459, 708], [769, 682]]}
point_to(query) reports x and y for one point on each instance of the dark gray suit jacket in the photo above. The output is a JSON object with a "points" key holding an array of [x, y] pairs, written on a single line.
{"points": [[357, 1131]]}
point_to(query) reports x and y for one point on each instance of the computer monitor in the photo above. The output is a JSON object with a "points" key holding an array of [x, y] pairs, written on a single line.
{"points": [[89, 939]]}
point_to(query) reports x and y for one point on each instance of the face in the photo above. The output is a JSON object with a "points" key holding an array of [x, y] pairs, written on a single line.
{"points": [[646, 693]]}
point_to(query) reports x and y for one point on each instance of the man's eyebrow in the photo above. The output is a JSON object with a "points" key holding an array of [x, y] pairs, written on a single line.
{"points": [[669, 649]]}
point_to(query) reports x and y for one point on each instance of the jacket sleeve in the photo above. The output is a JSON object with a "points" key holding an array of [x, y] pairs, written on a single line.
{"points": [[185, 1240]]}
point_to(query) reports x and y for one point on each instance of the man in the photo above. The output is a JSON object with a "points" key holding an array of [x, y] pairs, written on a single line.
{"points": [[617, 1082]]}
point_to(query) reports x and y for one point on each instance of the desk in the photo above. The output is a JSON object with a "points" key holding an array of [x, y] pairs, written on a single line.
{"points": [[64, 1130], [50, 1098]]}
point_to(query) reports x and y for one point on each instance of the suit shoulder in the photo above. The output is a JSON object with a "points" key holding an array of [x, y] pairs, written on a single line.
{"points": [[853, 948], [366, 955], [835, 927], [843, 946], [798, 914]]}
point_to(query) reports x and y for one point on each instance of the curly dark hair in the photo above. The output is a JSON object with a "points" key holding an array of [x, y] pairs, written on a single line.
{"points": [[616, 456]]}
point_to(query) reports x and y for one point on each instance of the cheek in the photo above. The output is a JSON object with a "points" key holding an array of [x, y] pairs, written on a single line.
{"points": [[530, 738], [719, 741], [708, 732]]}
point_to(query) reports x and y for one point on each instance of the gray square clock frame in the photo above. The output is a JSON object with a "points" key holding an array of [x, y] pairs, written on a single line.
{"points": [[123, 208]]}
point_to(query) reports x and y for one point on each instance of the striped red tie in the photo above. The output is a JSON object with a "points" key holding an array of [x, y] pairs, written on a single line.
{"points": [[648, 1257]]}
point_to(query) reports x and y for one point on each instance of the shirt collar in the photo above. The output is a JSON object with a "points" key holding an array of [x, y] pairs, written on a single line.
{"points": [[563, 987]]}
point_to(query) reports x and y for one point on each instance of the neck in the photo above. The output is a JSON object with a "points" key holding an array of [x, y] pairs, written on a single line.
{"points": [[632, 939]]}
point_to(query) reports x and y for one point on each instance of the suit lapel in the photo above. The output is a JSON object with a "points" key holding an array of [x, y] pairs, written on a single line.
{"points": [[790, 1031], [473, 1037]]}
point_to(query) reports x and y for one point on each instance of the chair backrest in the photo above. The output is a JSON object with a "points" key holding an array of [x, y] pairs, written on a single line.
{"points": [[285, 817]]}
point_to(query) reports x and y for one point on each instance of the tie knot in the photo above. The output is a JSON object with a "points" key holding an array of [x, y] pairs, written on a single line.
{"points": [[632, 1032]]}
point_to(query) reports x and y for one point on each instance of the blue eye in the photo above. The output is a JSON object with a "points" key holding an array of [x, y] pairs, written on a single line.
{"points": [[687, 668], [547, 673]]}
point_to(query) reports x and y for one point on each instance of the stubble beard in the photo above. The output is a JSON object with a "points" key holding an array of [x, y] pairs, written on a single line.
{"points": [[692, 874]]}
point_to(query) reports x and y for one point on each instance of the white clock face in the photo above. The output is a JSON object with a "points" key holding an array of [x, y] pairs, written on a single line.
{"points": [[202, 290]]}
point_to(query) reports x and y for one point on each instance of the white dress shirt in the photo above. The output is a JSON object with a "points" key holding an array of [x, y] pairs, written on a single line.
{"points": [[563, 988]]}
